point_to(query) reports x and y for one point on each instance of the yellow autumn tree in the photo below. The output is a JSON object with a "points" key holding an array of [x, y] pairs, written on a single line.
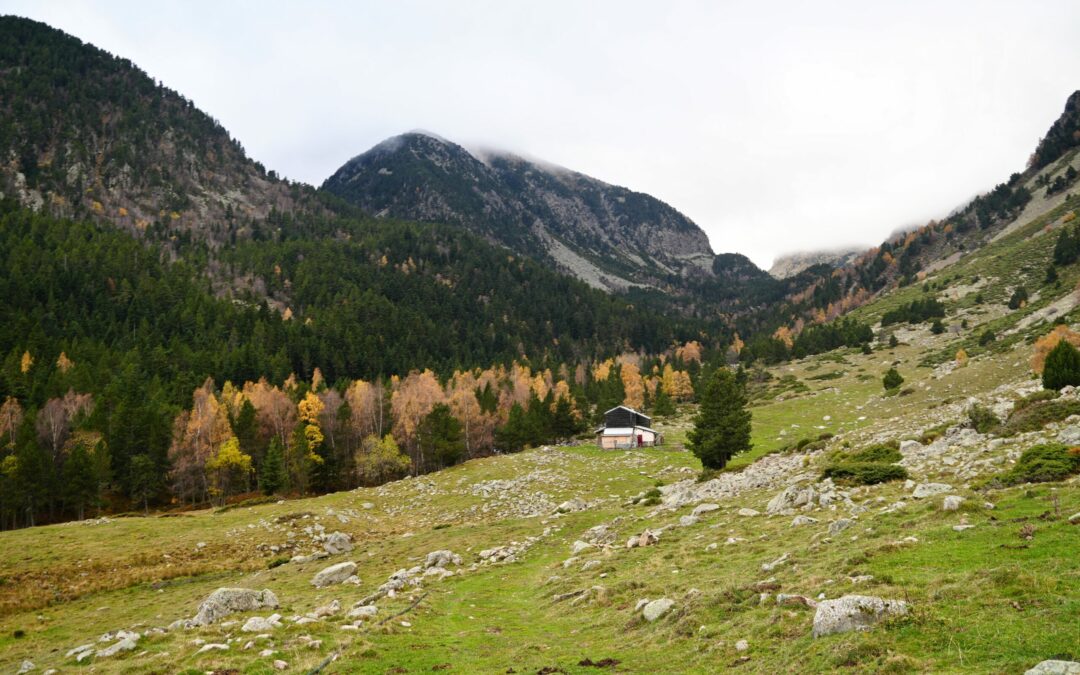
{"points": [[784, 334], [309, 408], [961, 358], [229, 469], [633, 386], [689, 352], [63, 363], [26, 363]]}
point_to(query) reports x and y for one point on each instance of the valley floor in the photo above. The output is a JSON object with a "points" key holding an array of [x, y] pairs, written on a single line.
{"points": [[983, 599]]}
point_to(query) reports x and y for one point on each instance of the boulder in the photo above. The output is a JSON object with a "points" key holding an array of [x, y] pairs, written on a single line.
{"points": [[124, 644], [578, 546], [646, 538], [657, 608], [924, 490], [335, 574], [854, 612], [441, 559], [687, 521], [337, 542], [213, 647], [770, 566], [572, 505], [789, 599], [26, 667], [326, 610], [225, 601], [802, 520], [702, 509], [742, 646], [1053, 667], [363, 612], [1069, 435], [952, 503], [839, 525], [909, 447], [259, 624], [792, 497], [1075, 519], [748, 513]]}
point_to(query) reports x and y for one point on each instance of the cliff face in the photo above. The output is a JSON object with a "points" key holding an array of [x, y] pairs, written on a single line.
{"points": [[607, 235], [791, 264]]}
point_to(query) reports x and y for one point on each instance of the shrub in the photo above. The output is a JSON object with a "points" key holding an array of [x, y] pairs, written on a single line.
{"points": [[1043, 463], [987, 337], [882, 452], [1062, 366], [982, 418], [1037, 397], [1037, 415], [864, 473], [893, 342], [892, 380], [1019, 298], [276, 562], [937, 328]]}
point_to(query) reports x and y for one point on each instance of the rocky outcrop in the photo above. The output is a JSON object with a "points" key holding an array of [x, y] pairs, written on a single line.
{"points": [[335, 574], [854, 612], [225, 601]]}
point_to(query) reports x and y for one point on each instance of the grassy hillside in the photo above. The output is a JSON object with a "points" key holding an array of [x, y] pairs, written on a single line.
{"points": [[984, 599]]}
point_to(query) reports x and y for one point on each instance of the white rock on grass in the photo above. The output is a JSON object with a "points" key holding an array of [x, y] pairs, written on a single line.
{"points": [[1054, 667], [337, 542], [688, 521], [335, 574], [702, 509], [363, 612], [572, 505], [213, 647], [802, 520], [838, 526], [441, 559], [259, 624], [1075, 519], [26, 667], [657, 608], [924, 490], [748, 513], [770, 566], [579, 546], [742, 646], [952, 503], [225, 601], [854, 612]]}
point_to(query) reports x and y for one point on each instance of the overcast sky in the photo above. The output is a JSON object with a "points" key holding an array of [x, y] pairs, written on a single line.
{"points": [[776, 126]]}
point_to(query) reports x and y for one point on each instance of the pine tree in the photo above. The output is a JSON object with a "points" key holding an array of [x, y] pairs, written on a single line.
{"points": [[892, 380], [144, 481], [80, 483], [663, 405], [510, 437], [442, 435], [272, 477], [722, 425], [1062, 366], [563, 422]]}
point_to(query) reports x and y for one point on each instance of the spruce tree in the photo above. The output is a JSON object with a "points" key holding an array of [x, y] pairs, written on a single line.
{"points": [[662, 405], [722, 425], [442, 435], [1062, 366], [272, 477], [892, 380]]}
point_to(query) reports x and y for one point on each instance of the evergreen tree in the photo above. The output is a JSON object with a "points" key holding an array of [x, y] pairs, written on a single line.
{"points": [[722, 425], [892, 380], [144, 481], [80, 482], [564, 424], [1051, 275], [663, 405], [246, 429], [1062, 366], [33, 471], [272, 477], [511, 437], [441, 435]]}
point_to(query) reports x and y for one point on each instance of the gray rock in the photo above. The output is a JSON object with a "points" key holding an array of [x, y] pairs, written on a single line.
{"points": [[335, 574], [572, 505], [1069, 435], [337, 542], [952, 503], [702, 509], [792, 497], [579, 546], [742, 646], [26, 667], [125, 644], [789, 599], [590, 565], [225, 601], [363, 612], [748, 513], [646, 538], [908, 447], [924, 490], [770, 566], [441, 559], [259, 624], [803, 520], [326, 610], [657, 608], [687, 521], [839, 525], [212, 647], [1052, 667], [854, 612], [1075, 519], [280, 665]]}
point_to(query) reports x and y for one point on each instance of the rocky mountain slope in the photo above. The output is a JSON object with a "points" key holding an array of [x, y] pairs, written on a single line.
{"points": [[89, 135], [790, 264], [606, 235]]}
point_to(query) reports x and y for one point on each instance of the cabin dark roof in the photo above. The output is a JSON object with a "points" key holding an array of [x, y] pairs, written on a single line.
{"points": [[623, 416]]}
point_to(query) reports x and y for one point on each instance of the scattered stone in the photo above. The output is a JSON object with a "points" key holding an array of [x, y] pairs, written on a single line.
{"points": [[646, 538], [962, 526], [641, 604], [770, 566], [363, 612], [712, 547], [702, 509], [225, 601], [952, 503], [280, 665], [687, 521], [258, 624], [838, 526], [590, 565], [337, 542], [326, 610], [861, 578], [748, 513], [335, 574], [1075, 519], [578, 546], [1054, 667], [803, 520], [657, 608], [1069, 436], [742, 646], [26, 667], [910, 447], [213, 646], [854, 612], [572, 505], [789, 599], [924, 490], [441, 559]]}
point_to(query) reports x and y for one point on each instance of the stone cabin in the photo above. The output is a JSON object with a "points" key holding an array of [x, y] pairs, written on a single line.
{"points": [[626, 428]]}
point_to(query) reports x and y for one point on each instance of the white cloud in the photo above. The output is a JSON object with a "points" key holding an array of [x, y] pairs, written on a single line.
{"points": [[775, 126]]}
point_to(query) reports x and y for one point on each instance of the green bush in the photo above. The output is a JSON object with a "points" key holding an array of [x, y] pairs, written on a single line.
{"points": [[1043, 463], [1037, 415], [276, 562], [864, 473], [882, 452], [1062, 366], [892, 379], [982, 418], [1044, 395]]}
